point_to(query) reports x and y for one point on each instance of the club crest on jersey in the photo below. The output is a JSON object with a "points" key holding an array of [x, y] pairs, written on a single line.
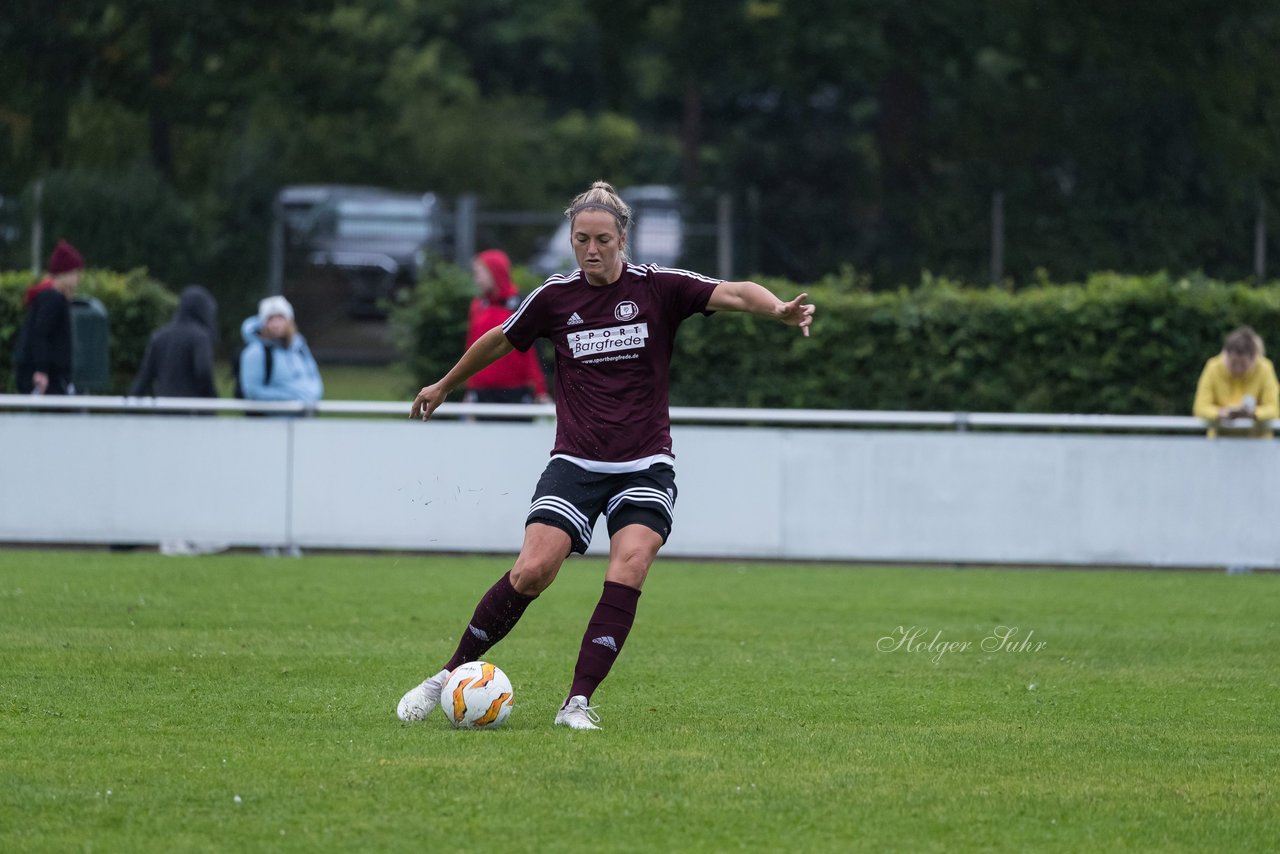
{"points": [[626, 310]]}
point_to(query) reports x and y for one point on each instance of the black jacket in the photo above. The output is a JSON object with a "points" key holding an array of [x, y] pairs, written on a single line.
{"points": [[178, 361], [44, 341]]}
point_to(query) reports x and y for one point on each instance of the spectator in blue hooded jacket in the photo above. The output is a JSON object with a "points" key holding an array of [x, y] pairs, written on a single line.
{"points": [[294, 373]]}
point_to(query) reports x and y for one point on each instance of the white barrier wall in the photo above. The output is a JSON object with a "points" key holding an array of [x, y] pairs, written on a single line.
{"points": [[866, 495]]}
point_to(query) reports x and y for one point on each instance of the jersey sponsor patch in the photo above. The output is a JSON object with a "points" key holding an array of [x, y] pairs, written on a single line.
{"points": [[597, 342]]}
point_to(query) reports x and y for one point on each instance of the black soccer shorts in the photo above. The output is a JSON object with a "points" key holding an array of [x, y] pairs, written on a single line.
{"points": [[571, 498]]}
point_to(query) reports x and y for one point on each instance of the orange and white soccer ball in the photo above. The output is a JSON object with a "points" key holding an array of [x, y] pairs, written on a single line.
{"points": [[477, 696]]}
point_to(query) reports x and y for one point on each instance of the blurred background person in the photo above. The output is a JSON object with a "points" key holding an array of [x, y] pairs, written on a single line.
{"points": [[276, 364], [1239, 384], [293, 374], [178, 361], [42, 356], [516, 377]]}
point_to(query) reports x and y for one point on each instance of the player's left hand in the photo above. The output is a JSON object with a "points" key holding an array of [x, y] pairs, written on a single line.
{"points": [[797, 313]]}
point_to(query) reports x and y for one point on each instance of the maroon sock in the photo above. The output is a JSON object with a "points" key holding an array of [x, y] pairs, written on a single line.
{"points": [[497, 614], [606, 632]]}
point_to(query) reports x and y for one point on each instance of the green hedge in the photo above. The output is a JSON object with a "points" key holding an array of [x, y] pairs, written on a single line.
{"points": [[136, 305], [1114, 344]]}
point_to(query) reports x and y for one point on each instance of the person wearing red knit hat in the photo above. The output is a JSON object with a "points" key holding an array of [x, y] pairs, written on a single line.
{"points": [[516, 377], [42, 357]]}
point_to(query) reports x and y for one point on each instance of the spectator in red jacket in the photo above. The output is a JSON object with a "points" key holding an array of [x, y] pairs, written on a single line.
{"points": [[516, 377]]}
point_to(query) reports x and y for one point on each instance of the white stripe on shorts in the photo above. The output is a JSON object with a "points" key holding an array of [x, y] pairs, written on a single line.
{"points": [[642, 495], [559, 507]]}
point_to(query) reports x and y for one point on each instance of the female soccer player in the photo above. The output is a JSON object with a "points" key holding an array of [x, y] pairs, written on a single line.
{"points": [[613, 325]]}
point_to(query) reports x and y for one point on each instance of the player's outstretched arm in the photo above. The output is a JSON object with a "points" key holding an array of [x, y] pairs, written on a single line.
{"points": [[757, 299], [489, 348]]}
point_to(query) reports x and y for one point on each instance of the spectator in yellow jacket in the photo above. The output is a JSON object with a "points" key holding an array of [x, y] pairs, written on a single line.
{"points": [[1239, 385]]}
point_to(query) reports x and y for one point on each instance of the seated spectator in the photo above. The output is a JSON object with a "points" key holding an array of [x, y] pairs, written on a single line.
{"points": [[293, 374], [178, 361], [1238, 392]]}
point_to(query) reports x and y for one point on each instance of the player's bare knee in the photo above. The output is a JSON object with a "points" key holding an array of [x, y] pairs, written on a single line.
{"points": [[630, 566], [533, 574], [637, 559]]}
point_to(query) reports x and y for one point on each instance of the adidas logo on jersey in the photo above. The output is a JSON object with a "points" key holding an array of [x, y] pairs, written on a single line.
{"points": [[575, 319], [607, 642]]}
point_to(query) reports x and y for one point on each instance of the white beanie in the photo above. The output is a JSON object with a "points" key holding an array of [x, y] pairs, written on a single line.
{"points": [[272, 306]]}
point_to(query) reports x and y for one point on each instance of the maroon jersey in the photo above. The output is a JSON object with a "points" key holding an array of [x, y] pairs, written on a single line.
{"points": [[613, 356]]}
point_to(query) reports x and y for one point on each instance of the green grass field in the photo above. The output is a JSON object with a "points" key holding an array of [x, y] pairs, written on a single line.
{"points": [[236, 702], [372, 382], [352, 382]]}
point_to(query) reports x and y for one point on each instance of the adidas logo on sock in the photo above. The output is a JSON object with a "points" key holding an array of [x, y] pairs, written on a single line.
{"points": [[606, 641], [479, 633], [574, 319]]}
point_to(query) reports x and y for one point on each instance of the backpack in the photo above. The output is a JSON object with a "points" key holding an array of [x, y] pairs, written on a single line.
{"points": [[268, 357]]}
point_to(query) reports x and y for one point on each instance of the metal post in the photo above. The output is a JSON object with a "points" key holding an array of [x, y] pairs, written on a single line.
{"points": [[997, 236], [754, 230], [724, 236], [464, 230], [1260, 241], [37, 226], [275, 259], [633, 235]]}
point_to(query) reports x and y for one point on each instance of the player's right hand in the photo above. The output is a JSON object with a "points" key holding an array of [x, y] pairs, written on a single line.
{"points": [[427, 400]]}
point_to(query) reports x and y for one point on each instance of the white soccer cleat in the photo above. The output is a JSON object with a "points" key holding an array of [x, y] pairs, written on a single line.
{"points": [[576, 714], [418, 703]]}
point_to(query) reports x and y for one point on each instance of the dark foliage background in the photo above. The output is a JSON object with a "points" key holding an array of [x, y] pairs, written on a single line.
{"points": [[852, 135], [1138, 136]]}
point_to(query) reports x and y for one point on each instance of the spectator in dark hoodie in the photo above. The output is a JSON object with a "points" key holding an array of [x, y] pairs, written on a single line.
{"points": [[179, 358], [516, 377], [42, 356], [178, 362]]}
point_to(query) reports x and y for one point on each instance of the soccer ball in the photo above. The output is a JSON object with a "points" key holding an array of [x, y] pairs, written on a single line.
{"points": [[477, 696]]}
